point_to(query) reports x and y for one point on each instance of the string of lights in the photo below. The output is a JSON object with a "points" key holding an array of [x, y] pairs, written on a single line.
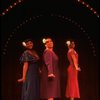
{"points": [[10, 7], [82, 29], [89, 7], [19, 1], [64, 18]]}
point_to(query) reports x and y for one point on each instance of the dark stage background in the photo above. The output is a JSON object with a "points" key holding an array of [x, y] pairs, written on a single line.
{"points": [[60, 20]]}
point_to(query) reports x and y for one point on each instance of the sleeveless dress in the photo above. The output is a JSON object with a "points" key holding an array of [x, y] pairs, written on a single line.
{"points": [[31, 88], [50, 88], [72, 89]]}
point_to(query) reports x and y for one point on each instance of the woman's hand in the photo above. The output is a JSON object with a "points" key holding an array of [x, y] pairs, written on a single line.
{"points": [[21, 80], [51, 75], [78, 69]]}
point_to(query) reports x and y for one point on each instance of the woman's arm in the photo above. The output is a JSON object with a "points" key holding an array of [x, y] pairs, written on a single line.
{"points": [[75, 62], [48, 62], [25, 67]]}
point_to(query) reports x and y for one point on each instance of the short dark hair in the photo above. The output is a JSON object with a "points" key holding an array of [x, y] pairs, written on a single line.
{"points": [[27, 40]]}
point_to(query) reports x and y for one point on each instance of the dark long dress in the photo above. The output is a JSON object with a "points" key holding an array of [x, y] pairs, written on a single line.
{"points": [[72, 89], [30, 89], [50, 88]]}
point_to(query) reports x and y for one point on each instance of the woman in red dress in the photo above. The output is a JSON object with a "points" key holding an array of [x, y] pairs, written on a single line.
{"points": [[72, 89]]}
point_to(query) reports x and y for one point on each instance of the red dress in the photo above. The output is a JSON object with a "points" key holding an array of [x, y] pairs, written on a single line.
{"points": [[72, 89]]}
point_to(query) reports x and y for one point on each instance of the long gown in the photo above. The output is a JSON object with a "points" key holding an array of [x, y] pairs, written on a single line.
{"points": [[31, 86], [50, 88], [72, 89]]}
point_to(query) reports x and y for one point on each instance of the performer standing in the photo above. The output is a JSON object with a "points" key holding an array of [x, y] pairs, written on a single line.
{"points": [[50, 79], [30, 77], [72, 89]]}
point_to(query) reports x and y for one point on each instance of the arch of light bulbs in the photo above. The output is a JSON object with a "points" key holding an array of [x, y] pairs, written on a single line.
{"points": [[10, 7], [89, 7], [19, 1], [52, 15]]}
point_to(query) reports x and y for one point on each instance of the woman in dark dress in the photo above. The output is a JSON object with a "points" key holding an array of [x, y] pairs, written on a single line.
{"points": [[30, 77], [50, 82], [72, 88]]}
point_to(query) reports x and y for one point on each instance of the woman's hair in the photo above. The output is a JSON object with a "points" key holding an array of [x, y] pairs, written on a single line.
{"points": [[25, 41], [70, 43], [45, 40]]}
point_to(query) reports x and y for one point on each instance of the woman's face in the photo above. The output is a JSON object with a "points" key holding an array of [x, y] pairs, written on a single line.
{"points": [[73, 45], [29, 45], [49, 43]]}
